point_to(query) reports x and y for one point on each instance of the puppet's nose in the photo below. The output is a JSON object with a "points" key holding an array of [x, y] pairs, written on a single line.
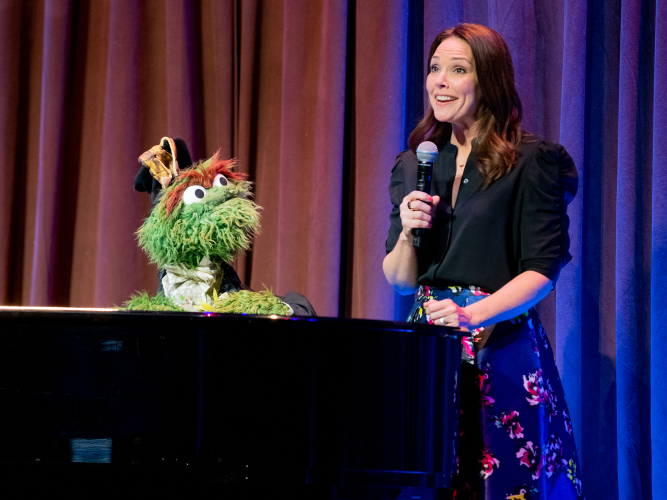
{"points": [[214, 197]]}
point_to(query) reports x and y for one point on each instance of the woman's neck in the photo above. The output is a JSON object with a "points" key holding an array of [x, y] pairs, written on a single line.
{"points": [[462, 136]]}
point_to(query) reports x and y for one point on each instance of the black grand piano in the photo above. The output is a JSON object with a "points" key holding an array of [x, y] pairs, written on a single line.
{"points": [[240, 406]]}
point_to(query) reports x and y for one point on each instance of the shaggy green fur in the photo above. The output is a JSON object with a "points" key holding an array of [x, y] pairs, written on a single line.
{"points": [[144, 302], [218, 227], [249, 302]]}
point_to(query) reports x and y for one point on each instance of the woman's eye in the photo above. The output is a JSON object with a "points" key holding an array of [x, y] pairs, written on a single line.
{"points": [[434, 68], [220, 180], [460, 71], [193, 194]]}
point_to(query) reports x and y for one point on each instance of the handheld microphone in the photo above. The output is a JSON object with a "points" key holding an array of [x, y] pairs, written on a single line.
{"points": [[427, 152]]}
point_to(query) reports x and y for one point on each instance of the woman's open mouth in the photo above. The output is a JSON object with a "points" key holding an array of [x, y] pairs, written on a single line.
{"points": [[445, 99]]}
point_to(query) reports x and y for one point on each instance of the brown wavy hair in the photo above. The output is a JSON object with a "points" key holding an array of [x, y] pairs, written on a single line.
{"points": [[499, 110]]}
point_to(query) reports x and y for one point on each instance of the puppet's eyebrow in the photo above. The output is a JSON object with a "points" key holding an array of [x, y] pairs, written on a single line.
{"points": [[193, 179]]}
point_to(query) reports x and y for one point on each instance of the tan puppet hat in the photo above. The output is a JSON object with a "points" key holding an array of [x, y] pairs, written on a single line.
{"points": [[162, 164]]}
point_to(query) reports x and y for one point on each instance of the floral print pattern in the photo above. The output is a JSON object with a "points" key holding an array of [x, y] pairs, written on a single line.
{"points": [[540, 392], [510, 422], [523, 492], [533, 341], [567, 421], [553, 455], [530, 455], [571, 469], [418, 315], [519, 319], [516, 439], [489, 463], [468, 350], [484, 384]]}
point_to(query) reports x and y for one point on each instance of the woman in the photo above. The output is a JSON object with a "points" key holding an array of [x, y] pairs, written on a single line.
{"points": [[495, 241]]}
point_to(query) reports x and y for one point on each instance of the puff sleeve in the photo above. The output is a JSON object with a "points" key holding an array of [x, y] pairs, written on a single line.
{"points": [[549, 183], [396, 193]]}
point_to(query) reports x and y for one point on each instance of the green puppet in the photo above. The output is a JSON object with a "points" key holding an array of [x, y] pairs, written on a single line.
{"points": [[202, 218]]}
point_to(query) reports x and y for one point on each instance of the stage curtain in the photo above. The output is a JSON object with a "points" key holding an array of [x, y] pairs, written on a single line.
{"points": [[316, 98]]}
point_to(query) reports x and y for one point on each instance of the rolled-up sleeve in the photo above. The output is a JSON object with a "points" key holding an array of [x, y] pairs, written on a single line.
{"points": [[549, 182], [396, 193]]}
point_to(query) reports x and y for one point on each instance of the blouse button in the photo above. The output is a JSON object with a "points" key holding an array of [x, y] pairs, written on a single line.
{"points": [[465, 181]]}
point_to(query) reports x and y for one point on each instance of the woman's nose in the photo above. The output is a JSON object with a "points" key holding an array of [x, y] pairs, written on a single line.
{"points": [[441, 80]]}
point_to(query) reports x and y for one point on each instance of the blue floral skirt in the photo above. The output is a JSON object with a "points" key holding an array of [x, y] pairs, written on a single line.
{"points": [[515, 432]]}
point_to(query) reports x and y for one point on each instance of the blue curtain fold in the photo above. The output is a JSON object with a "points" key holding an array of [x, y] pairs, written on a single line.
{"points": [[633, 256], [658, 309], [572, 132]]}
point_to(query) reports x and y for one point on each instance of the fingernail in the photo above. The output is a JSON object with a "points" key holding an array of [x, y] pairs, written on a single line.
{"points": [[428, 318]]}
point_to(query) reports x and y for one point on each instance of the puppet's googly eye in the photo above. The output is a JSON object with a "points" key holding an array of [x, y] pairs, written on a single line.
{"points": [[193, 194], [220, 180]]}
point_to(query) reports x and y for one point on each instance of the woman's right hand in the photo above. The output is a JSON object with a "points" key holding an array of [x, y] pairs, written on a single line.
{"points": [[400, 265], [417, 211]]}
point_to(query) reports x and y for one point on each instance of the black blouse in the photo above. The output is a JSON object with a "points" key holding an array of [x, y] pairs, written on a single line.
{"points": [[519, 223]]}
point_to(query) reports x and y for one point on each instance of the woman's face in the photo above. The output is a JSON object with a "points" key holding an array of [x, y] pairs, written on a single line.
{"points": [[452, 85]]}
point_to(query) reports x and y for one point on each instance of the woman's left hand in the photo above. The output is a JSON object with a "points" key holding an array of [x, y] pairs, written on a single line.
{"points": [[447, 313]]}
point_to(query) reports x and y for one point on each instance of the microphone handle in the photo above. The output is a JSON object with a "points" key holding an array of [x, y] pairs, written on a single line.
{"points": [[424, 172]]}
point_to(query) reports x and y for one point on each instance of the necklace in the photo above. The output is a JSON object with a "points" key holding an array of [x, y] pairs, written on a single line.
{"points": [[462, 157], [461, 160]]}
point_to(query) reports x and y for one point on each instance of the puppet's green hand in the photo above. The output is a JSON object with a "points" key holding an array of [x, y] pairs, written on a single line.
{"points": [[247, 302], [141, 301]]}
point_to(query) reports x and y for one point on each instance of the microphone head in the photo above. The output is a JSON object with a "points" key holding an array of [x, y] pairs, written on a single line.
{"points": [[427, 151]]}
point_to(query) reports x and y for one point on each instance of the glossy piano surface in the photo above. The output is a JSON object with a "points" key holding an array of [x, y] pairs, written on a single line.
{"points": [[320, 407]]}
